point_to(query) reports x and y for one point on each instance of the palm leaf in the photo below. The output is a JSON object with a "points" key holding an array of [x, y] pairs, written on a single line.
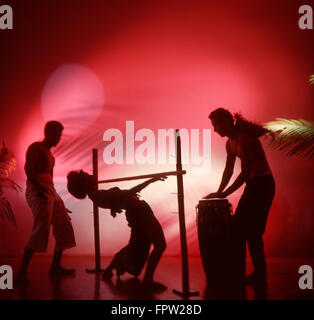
{"points": [[7, 161], [6, 183], [79, 146], [7, 165], [312, 79], [6, 210], [293, 136]]}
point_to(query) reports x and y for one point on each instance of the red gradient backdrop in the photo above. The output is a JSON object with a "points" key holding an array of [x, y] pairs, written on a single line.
{"points": [[162, 64]]}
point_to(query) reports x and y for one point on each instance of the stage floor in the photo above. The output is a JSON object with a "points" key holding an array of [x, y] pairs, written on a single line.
{"points": [[282, 281]]}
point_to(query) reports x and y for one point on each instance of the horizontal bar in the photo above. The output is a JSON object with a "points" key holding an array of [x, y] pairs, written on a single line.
{"points": [[144, 176]]}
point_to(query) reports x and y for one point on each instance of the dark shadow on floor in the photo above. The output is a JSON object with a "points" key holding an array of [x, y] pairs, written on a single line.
{"points": [[283, 280]]}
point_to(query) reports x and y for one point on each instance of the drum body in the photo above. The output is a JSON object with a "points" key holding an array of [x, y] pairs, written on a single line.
{"points": [[222, 250]]}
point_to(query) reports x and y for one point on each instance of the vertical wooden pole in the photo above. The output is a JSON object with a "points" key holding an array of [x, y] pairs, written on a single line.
{"points": [[96, 217], [96, 213], [184, 248]]}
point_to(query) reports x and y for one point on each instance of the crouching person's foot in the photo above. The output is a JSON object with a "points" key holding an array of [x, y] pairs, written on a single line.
{"points": [[60, 271], [107, 275]]}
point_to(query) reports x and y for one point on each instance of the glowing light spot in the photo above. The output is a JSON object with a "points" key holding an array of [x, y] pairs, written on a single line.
{"points": [[73, 95]]}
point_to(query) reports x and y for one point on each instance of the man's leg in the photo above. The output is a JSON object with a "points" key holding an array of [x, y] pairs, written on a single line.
{"points": [[38, 240], [256, 248], [56, 268], [64, 236], [21, 276]]}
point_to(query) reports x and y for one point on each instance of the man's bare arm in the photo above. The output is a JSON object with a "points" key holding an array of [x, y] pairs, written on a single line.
{"points": [[32, 157], [227, 174], [237, 183], [247, 146]]}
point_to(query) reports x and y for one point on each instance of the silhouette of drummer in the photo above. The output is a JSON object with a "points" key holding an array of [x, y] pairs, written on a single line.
{"points": [[252, 210], [145, 228]]}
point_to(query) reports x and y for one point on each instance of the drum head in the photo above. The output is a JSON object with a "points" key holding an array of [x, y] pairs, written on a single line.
{"points": [[217, 202]]}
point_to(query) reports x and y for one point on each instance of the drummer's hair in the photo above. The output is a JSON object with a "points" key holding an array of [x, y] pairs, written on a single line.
{"points": [[77, 184], [249, 127], [240, 123]]}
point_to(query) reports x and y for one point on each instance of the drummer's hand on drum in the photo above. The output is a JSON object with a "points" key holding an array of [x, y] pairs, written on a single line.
{"points": [[215, 195]]}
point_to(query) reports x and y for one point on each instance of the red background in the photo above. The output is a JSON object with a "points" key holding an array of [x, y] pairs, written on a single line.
{"points": [[162, 64]]}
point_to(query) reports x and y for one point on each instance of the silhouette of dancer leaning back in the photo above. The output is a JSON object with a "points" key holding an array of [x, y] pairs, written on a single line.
{"points": [[145, 228], [252, 210], [46, 205]]}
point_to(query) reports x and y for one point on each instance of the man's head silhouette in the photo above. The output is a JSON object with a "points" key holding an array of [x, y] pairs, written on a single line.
{"points": [[53, 132], [222, 121]]}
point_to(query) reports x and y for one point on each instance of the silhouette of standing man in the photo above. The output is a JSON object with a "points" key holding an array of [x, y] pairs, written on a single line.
{"points": [[253, 208], [46, 205]]}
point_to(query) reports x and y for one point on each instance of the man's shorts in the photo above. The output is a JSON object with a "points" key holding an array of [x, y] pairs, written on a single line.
{"points": [[47, 212]]}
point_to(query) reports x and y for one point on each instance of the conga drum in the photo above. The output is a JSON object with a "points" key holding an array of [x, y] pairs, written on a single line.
{"points": [[222, 251]]}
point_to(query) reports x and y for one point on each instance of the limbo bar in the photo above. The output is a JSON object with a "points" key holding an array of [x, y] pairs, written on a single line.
{"points": [[144, 176]]}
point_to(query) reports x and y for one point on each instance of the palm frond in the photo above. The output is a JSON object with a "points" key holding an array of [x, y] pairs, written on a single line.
{"points": [[7, 161], [6, 210], [312, 79], [7, 165], [6, 183], [296, 137]]}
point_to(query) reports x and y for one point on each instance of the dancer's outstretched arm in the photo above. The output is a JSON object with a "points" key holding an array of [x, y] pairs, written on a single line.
{"points": [[143, 185], [115, 197]]}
